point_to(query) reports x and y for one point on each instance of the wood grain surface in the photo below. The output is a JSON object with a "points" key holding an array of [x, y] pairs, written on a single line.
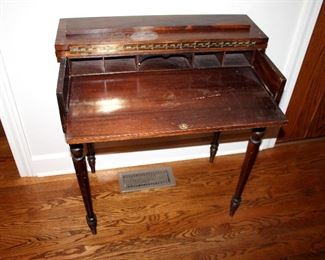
{"points": [[282, 215], [135, 106], [124, 35], [8, 169]]}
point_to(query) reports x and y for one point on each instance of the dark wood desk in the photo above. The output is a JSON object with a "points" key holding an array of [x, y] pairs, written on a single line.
{"points": [[129, 78]]}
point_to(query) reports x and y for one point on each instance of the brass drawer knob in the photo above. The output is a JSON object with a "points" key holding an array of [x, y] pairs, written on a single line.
{"points": [[183, 126]]}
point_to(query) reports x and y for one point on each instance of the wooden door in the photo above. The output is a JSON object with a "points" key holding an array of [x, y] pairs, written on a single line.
{"points": [[306, 111]]}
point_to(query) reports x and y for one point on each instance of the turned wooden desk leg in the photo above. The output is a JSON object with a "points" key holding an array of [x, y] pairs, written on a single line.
{"points": [[251, 153], [214, 146], [91, 157], [80, 166]]}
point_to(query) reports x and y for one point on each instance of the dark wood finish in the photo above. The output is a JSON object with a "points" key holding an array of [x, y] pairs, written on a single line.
{"points": [[80, 166], [91, 157], [250, 157], [133, 78], [270, 75], [8, 169], [162, 24], [214, 146], [176, 141], [167, 34], [306, 110], [281, 217], [182, 102], [62, 92]]}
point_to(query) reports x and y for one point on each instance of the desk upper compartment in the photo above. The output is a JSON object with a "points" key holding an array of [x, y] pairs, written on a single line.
{"points": [[80, 37]]}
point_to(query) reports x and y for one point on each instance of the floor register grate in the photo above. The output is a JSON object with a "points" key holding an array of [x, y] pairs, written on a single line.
{"points": [[146, 179]]}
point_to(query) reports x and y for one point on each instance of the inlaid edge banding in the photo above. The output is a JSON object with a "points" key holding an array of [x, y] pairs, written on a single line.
{"points": [[113, 48]]}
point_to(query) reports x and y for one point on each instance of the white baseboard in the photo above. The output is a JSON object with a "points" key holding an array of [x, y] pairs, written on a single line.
{"points": [[56, 164]]}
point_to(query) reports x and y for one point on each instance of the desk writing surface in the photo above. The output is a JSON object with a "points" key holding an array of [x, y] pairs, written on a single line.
{"points": [[165, 103]]}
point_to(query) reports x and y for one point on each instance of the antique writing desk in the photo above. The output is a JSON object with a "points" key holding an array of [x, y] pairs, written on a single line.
{"points": [[124, 78]]}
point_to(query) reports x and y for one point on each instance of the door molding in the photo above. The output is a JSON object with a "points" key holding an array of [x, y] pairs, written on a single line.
{"points": [[12, 124], [299, 45]]}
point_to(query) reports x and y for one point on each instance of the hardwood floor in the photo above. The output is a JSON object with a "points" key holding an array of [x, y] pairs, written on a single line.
{"points": [[282, 215]]}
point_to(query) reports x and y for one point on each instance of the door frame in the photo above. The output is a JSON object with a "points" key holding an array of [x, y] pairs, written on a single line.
{"points": [[12, 125], [298, 49]]}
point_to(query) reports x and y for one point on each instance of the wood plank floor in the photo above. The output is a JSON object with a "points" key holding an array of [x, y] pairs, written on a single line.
{"points": [[282, 215]]}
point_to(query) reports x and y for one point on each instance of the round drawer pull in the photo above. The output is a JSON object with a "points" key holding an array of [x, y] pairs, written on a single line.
{"points": [[183, 126]]}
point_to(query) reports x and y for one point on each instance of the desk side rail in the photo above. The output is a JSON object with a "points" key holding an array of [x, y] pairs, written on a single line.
{"points": [[62, 92], [271, 76]]}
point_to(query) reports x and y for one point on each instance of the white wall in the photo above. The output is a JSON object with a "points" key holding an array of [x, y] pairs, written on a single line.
{"points": [[28, 69]]}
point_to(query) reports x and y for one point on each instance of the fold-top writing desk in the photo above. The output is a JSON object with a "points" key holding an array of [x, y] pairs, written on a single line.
{"points": [[125, 78]]}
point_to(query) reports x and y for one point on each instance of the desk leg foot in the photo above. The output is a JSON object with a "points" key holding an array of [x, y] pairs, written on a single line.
{"points": [[251, 153], [234, 205], [214, 146], [92, 223], [80, 166], [91, 157]]}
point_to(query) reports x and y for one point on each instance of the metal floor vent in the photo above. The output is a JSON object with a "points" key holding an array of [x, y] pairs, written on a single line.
{"points": [[146, 179]]}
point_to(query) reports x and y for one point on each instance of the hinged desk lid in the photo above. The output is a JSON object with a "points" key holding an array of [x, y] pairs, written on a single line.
{"points": [[136, 105], [79, 37]]}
